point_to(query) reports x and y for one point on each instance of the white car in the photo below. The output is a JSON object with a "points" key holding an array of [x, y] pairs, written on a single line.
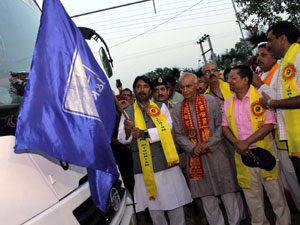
{"points": [[35, 188]]}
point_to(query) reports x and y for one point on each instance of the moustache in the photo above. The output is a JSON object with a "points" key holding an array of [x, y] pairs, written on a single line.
{"points": [[212, 75], [161, 95], [260, 63], [141, 93]]}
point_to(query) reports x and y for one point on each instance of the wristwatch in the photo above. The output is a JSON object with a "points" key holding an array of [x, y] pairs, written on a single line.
{"points": [[269, 103], [146, 134]]}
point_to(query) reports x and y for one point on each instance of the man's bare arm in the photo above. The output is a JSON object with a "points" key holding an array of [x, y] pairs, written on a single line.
{"points": [[260, 133], [229, 135], [288, 103]]}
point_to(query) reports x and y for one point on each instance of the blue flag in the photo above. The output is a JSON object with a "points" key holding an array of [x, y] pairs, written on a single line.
{"points": [[68, 109]]}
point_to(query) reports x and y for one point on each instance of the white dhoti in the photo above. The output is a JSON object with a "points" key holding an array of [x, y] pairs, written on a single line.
{"points": [[172, 191]]}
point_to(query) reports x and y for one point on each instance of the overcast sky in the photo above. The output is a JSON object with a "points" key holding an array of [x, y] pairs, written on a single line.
{"points": [[141, 40]]}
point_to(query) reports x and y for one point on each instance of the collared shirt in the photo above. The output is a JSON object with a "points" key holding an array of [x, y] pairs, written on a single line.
{"points": [[242, 118], [280, 112]]}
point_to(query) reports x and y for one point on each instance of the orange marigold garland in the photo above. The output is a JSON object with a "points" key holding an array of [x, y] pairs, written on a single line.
{"points": [[153, 111], [289, 72], [257, 109]]}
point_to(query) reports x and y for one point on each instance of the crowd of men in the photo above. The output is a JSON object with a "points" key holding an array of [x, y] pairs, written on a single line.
{"points": [[216, 140]]}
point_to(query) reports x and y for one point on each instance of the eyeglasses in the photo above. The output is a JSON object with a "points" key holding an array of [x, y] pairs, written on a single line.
{"points": [[232, 78], [208, 72]]}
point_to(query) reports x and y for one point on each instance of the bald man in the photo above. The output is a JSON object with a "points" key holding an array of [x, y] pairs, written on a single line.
{"points": [[197, 130]]}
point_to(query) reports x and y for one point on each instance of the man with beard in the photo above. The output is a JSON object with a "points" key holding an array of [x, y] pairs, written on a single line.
{"points": [[197, 130], [159, 182], [160, 92], [248, 126], [282, 41], [266, 82], [216, 87]]}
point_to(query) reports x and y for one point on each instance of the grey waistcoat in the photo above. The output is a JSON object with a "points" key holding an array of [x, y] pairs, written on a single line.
{"points": [[158, 157]]}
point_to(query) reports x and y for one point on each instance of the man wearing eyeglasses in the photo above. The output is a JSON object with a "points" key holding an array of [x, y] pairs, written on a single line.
{"points": [[221, 91], [216, 87], [248, 126]]}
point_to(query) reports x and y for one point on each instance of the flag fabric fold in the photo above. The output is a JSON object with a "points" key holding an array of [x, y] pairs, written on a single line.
{"points": [[68, 109]]}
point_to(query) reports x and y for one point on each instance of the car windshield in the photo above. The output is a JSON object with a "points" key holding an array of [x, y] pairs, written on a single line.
{"points": [[19, 22]]}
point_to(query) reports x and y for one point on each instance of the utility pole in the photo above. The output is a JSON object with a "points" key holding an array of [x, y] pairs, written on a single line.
{"points": [[114, 7], [201, 40], [202, 51], [237, 20]]}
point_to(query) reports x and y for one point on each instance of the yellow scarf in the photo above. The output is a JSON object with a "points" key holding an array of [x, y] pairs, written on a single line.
{"points": [[289, 89], [257, 114], [144, 148], [224, 88], [281, 145]]}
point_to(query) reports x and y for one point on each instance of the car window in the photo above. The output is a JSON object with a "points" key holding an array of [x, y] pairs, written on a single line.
{"points": [[19, 22]]}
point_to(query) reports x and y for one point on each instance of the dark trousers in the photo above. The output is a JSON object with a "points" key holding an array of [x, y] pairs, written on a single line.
{"points": [[296, 164]]}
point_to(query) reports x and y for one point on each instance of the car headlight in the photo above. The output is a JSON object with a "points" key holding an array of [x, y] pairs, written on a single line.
{"points": [[115, 199]]}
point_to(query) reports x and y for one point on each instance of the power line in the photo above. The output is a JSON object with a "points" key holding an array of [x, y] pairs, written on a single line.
{"points": [[88, 17], [109, 22], [151, 53], [127, 11], [155, 26], [144, 26], [174, 29], [160, 49], [114, 7], [167, 48], [156, 19]]}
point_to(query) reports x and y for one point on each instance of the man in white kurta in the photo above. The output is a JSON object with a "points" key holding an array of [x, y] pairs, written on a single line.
{"points": [[171, 188]]}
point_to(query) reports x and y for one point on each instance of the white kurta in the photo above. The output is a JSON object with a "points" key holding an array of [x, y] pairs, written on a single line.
{"points": [[172, 189]]}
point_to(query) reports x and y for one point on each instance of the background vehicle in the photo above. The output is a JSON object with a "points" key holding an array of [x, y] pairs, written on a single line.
{"points": [[35, 188]]}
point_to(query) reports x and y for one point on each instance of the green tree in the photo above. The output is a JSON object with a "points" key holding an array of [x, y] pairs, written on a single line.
{"points": [[255, 14], [161, 72], [190, 70], [238, 55], [158, 72]]}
